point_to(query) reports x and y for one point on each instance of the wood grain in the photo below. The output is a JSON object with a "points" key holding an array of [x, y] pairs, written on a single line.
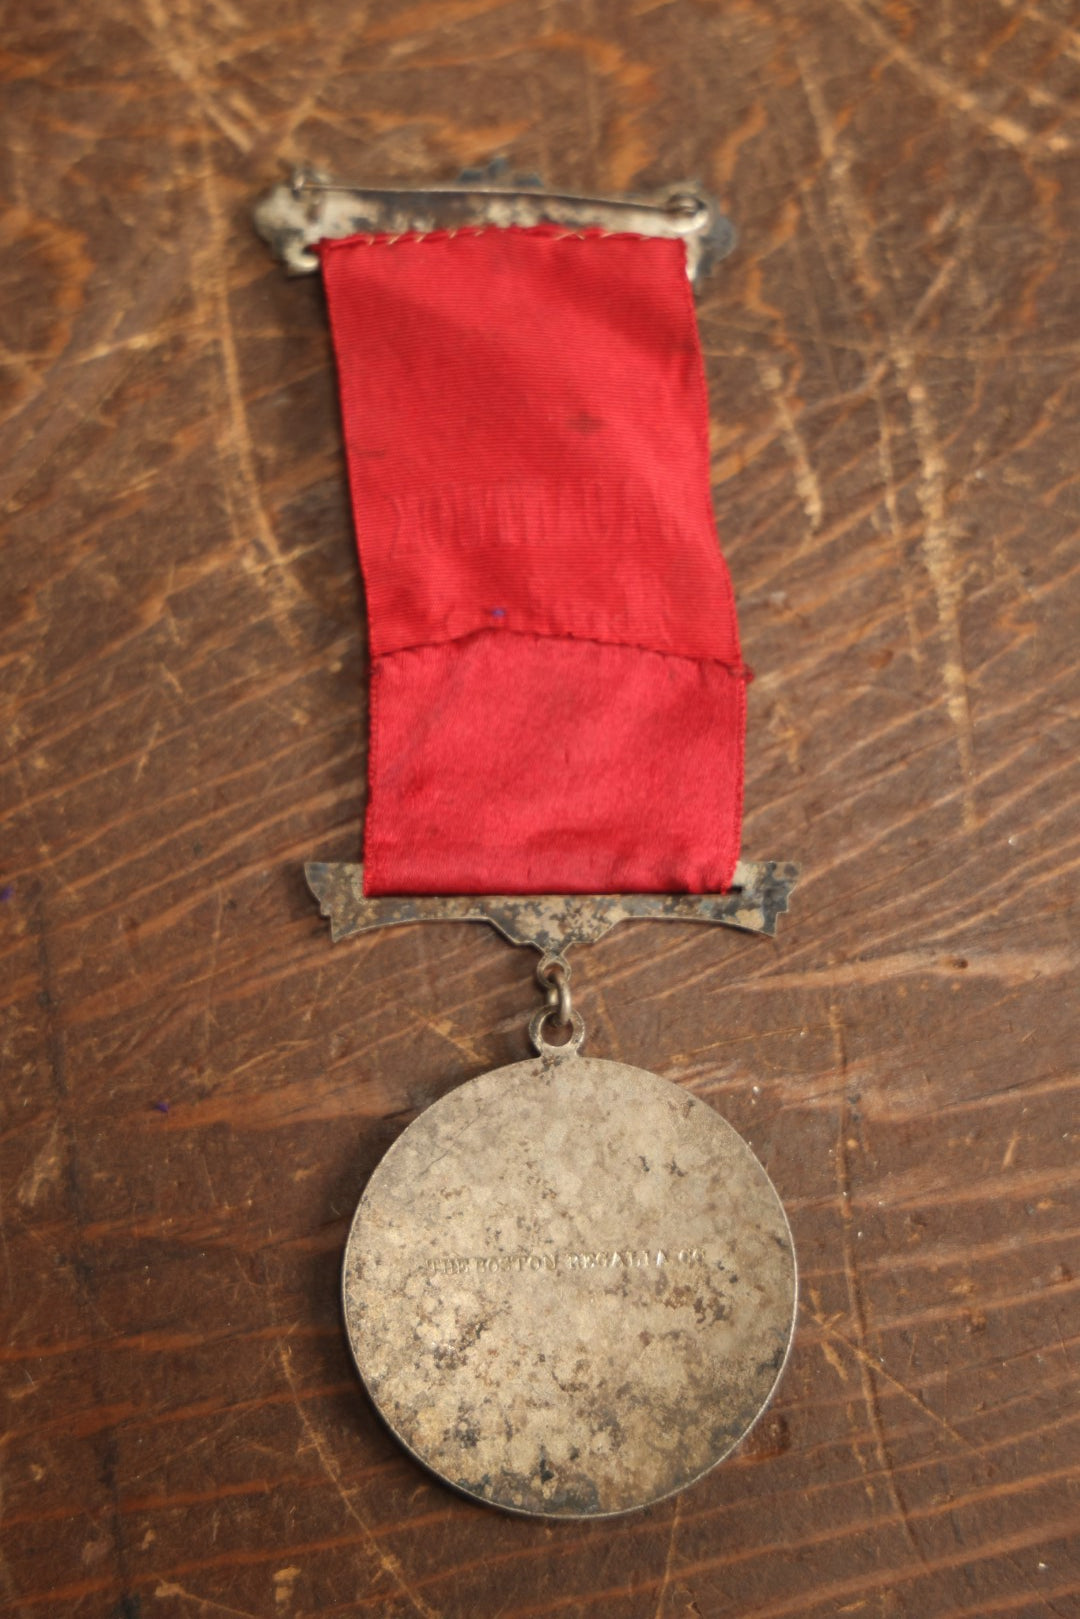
{"points": [[195, 1085]]}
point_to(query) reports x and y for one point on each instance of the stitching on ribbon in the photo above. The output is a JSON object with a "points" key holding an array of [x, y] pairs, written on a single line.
{"points": [[447, 233], [740, 671]]}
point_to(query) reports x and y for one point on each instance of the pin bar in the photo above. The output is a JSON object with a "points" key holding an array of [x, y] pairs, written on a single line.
{"points": [[687, 210], [310, 208]]}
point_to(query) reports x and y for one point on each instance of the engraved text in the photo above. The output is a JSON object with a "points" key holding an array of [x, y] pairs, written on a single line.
{"points": [[599, 1259]]}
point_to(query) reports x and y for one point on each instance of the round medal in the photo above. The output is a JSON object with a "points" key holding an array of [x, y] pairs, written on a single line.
{"points": [[569, 1287]]}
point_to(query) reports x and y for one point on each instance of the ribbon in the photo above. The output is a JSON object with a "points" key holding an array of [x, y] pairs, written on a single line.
{"points": [[557, 691]]}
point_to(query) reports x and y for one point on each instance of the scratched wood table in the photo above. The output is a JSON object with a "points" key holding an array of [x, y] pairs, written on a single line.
{"points": [[195, 1084]]}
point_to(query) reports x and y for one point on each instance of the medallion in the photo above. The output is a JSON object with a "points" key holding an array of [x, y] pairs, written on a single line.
{"points": [[569, 1287]]}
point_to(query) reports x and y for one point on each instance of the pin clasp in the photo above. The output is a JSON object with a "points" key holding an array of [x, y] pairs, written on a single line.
{"points": [[312, 207]]}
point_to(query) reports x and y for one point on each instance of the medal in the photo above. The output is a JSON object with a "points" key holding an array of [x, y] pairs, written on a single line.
{"points": [[569, 1286]]}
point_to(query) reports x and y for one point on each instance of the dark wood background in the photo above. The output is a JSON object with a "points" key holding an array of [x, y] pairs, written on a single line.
{"points": [[195, 1083]]}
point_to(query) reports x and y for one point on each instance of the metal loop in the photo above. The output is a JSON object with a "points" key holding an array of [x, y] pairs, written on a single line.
{"points": [[553, 976], [544, 1047], [559, 1001]]}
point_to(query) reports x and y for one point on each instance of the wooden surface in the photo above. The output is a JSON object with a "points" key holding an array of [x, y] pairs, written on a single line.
{"points": [[195, 1084]]}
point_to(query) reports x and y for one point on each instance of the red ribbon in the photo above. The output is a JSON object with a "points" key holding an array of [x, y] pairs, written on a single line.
{"points": [[557, 695]]}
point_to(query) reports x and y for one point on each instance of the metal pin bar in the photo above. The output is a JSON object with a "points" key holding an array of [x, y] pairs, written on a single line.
{"points": [[310, 208], [685, 207]]}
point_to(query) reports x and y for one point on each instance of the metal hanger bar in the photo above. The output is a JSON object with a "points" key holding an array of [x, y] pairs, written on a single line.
{"points": [[551, 923]]}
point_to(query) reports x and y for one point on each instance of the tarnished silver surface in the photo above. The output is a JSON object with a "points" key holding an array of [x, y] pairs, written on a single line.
{"points": [[312, 207], [569, 1287], [553, 922]]}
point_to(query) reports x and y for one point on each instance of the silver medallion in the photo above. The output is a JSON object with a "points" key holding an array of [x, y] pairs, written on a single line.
{"points": [[569, 1287]]}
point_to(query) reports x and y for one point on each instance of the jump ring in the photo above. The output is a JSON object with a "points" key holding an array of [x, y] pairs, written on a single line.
{"points": [[544, 1047]]}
